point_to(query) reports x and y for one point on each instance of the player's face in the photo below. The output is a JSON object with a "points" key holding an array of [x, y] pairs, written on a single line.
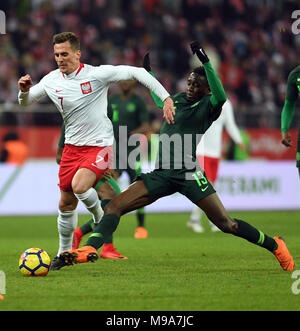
{"points": [[196, 87], [66, 58]]}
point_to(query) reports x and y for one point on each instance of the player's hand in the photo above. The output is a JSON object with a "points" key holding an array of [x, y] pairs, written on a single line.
{"points": [[169, 110], [110, 173], [286, 139], [197, 49], [25, 83], [242, 147], [146, 62]]}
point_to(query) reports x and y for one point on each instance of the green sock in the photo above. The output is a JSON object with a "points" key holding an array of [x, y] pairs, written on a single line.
{"points": [[109, 238], [87, 227], [103, 230], [255, 236], [140, 217]]}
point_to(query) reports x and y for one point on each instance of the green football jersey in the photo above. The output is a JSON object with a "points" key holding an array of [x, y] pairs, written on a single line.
{"points": [[293, 84], [292, 91], [130, 112], [178, 141]]}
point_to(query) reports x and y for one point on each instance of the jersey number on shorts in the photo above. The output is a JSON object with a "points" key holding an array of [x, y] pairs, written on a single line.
{"points": [[201, 180]]}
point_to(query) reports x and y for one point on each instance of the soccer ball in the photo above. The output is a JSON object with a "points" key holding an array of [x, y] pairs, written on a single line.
{"points": [[34, 262]]}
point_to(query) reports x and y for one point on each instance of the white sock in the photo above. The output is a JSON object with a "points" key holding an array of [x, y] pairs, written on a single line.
{"points": [[196, 215], [66, 223], [92, 203]]}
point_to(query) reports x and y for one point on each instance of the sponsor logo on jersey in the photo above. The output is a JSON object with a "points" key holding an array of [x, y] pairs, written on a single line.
{"points": [[86, 88]]}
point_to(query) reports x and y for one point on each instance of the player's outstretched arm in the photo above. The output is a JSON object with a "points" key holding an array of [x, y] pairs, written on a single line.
{"points": [[218, 97], [111, 74]]}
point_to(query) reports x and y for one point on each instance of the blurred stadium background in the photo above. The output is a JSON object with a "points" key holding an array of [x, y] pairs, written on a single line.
{"points": [[250, 43]]}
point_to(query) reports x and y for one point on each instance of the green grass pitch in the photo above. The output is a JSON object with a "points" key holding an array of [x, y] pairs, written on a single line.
{"points": [[173, 270]]}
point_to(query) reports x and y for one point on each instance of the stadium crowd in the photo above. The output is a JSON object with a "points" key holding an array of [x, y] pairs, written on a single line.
{"points": [[250, 42]]}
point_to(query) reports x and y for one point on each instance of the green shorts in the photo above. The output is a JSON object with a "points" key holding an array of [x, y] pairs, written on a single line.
{"points": [[160, 183], [298, 151]]}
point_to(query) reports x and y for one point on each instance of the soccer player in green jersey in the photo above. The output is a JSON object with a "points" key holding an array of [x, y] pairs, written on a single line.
{"points": [[106, 188], [177, 170], [287, 114], [129, 116]]}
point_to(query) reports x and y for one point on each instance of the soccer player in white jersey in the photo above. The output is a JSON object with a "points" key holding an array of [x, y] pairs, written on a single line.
{"points": [[209, 153], [79, 92]]}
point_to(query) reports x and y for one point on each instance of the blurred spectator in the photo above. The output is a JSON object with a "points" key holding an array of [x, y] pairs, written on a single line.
{"points": [[235, 152], [250, 41], [14, 151]]}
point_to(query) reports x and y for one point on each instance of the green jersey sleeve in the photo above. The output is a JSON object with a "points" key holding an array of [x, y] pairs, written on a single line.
{"points": [[218, 96], [287, 115], [288, 109], [292, 88]]}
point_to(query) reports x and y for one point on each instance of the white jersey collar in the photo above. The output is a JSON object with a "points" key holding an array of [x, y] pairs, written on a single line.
{"points": [[74, 73]]}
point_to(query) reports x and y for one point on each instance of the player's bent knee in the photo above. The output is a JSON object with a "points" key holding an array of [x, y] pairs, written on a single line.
{"points": [[83, 181], [80, 188]]}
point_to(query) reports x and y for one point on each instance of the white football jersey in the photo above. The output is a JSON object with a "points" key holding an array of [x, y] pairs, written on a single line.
{"points": [[81, 98], [211, 142]]}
